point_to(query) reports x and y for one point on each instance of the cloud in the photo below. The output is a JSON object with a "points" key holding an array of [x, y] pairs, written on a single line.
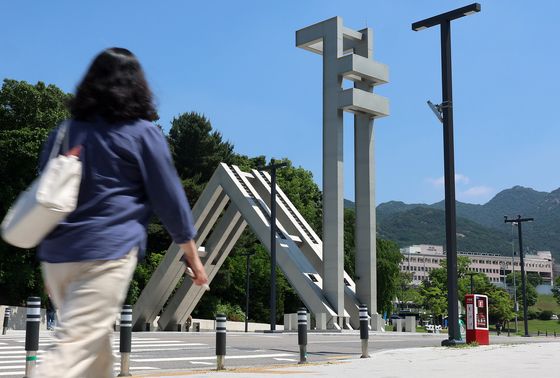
{"points": [[461, 179], [439, 182], [478, 191]]}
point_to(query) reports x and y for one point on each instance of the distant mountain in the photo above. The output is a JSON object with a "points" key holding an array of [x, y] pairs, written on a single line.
{"points": [[426, 225], [388, 209], [479, 227]]}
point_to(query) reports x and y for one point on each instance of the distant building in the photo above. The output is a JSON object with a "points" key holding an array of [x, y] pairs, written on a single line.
{"points": [[420, 260]]}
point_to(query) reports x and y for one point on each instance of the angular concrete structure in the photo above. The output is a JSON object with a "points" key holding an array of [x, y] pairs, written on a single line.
{"points": [[347, 55], [231, 201]]}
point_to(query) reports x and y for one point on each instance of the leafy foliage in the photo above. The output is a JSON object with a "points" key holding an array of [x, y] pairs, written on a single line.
{"points": [[27, 106], [556, 290], [197, 150], [530, 283], [545, 315], [388, 274], [500, 303], [27, 113]]}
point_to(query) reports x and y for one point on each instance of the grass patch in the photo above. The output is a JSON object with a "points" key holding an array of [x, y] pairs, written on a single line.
{"points": [[536, 326], [474, 344], [546, 302]]}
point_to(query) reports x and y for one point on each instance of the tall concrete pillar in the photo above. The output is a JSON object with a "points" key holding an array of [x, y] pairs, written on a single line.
{"points": [[364, 181], [347, 55], [333, 165]]}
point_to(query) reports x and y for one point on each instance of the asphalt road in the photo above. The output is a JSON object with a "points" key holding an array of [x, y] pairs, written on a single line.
{"points": [[172, 351]]}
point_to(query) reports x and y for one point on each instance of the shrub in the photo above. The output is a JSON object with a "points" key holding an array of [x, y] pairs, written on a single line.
{"points": [[233, 312], [545, 315], [532, 314]]}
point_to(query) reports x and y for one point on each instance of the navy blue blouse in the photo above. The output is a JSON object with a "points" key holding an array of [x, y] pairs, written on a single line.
{"points": [[128, 172]]}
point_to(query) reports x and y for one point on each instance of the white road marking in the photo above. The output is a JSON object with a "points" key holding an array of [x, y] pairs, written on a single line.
{"points": [[150, 342], [22, 352], [163, 345], [134, 350], [211, 357], [201, 363], [285, 359]]}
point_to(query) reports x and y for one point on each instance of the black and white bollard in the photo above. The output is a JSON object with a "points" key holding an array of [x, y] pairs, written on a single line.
{"points": [[7, 314], [302, 334], [364, 330], [220, 341], [125, 340], [33, 322]]}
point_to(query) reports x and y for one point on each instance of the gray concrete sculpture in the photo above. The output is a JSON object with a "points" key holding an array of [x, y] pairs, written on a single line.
{"points": [[232, 200], [347, 54]]}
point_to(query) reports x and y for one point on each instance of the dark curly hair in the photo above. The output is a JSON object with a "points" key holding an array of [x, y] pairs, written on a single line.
{"points": [[115, 89]]}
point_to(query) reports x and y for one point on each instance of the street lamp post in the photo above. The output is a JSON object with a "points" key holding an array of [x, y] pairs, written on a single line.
{"points": [[272, 168], [518, 221], [471, 274], [446, 108], [247, 287]]}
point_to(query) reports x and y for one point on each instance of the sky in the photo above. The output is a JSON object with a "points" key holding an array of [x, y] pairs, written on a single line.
{"points": [[236, 62]]}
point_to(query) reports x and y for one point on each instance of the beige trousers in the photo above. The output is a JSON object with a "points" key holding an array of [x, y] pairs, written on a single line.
{"points": [[88, 296]]}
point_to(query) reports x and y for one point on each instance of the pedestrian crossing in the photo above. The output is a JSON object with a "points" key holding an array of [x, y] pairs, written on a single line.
{"points": [[12, 352], [149, 353]]}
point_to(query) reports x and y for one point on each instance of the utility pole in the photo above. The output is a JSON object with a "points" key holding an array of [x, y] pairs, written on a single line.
{"points": [[519, 221], [515, 305]]}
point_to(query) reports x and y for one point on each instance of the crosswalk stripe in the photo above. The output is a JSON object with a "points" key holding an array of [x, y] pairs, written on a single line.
{"points": [[134, 350], [12, 372], [211, 357], [165, 345], [10, 347], [150, 341], [5, 352]]}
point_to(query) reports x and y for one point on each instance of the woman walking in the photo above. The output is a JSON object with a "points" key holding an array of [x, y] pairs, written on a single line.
{"points": [[89, 259]]}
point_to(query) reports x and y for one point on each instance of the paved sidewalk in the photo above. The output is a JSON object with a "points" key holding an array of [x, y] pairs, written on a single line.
{"points": [[538, 360]]}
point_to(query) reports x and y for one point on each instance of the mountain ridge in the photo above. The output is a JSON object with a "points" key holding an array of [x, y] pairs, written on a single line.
{"points": [[479, 227]]}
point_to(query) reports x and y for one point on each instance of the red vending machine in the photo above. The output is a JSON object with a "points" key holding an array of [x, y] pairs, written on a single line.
{"points": [[477, 319]]}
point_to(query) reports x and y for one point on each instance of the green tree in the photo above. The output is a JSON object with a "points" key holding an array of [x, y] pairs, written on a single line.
{"points": [[197, 150], [349, 248], [27, 106], [530, 289], [434, 299], [533, 278], [500, 304], [388, 274], [27, 113], [556, 289]]}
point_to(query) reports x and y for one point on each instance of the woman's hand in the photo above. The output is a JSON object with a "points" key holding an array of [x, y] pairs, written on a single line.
{"points": [[199, 276]]}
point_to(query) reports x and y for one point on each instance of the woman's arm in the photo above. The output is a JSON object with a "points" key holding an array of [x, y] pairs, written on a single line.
{"points": [[191, 255]]}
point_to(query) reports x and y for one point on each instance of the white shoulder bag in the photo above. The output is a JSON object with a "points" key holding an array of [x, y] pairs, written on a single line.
{"points": [[48, 201]]}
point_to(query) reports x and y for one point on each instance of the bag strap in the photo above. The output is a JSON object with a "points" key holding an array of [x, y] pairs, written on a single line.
{"points": [[60, 135]]}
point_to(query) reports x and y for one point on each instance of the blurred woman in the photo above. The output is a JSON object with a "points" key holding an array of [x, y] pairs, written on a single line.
{"points": [[88, 260]]}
